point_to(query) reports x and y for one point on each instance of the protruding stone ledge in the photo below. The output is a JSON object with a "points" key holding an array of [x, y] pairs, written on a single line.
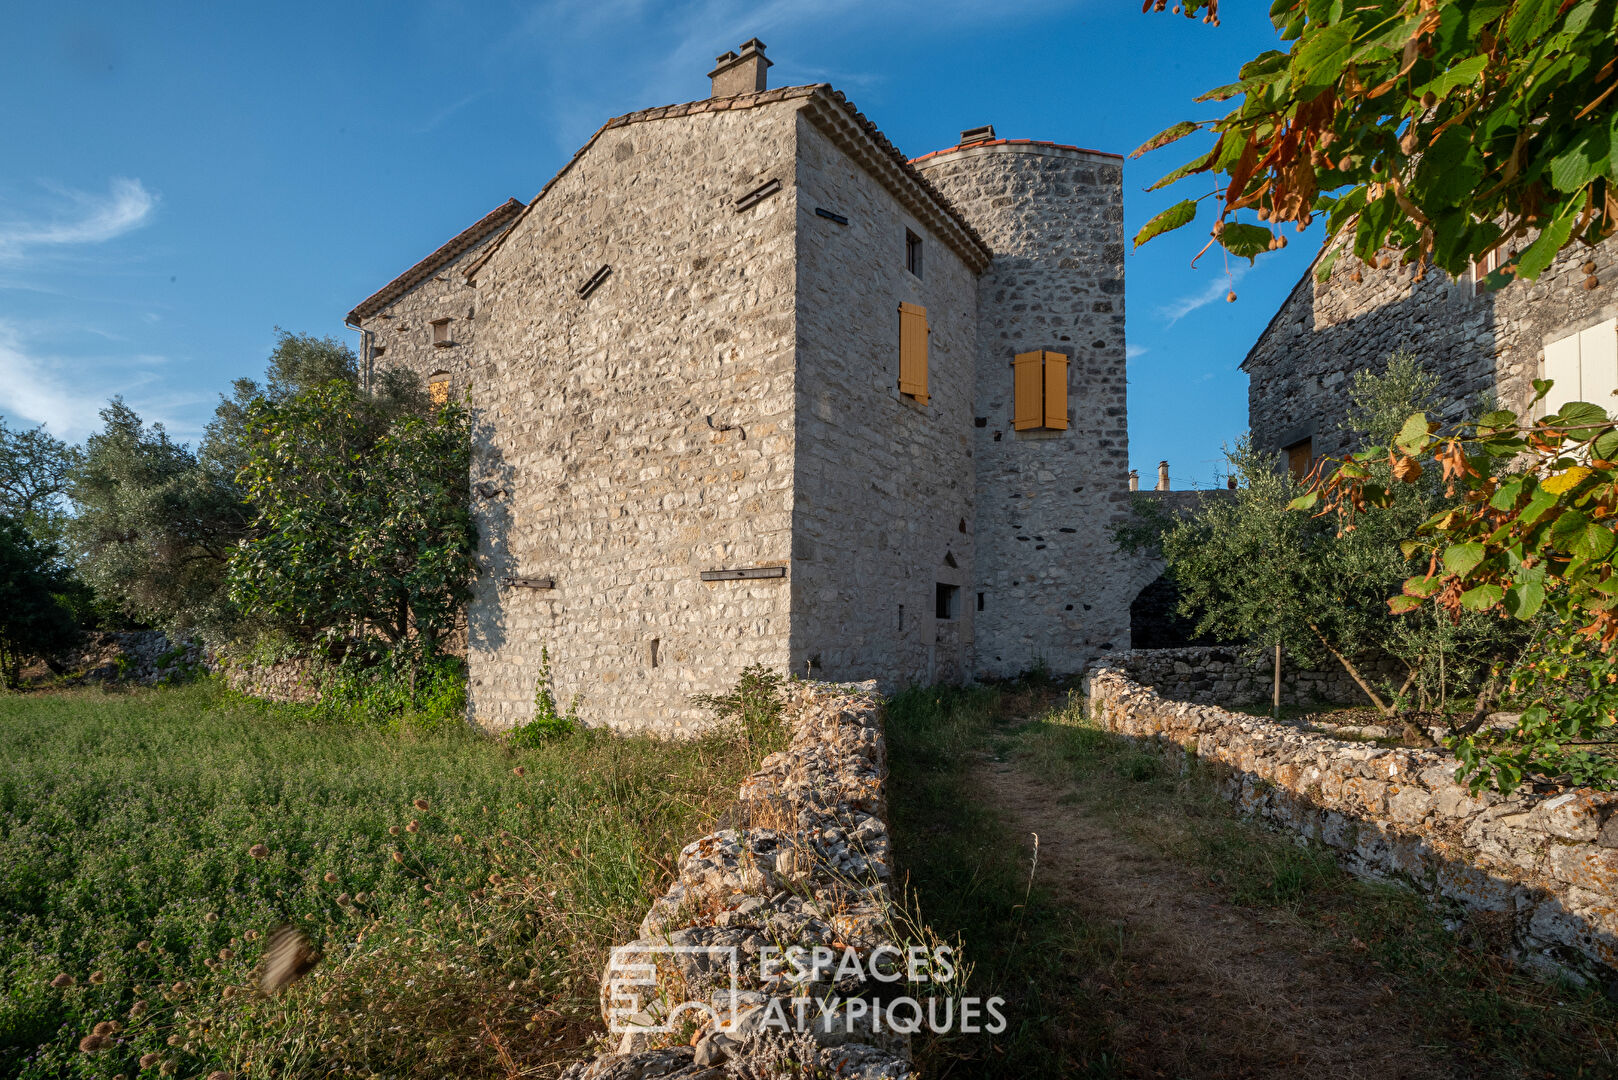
{"points": [[1548, 863]]}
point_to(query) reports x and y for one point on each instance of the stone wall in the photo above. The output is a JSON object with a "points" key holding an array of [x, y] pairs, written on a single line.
{"points": [[1050, 581], [1546, 865], [295, 680], [807, 862], [1222, 675], [629, 439], [882, 502], [1487, 344], [143, 657]]}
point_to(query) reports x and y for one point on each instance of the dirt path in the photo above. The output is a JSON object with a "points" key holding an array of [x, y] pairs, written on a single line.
{"points": [[1204, 987]]}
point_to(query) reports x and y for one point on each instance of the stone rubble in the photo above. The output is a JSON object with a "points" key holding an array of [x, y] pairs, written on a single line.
{"points": [[807, 861], [1548, 863], [144, 657]]}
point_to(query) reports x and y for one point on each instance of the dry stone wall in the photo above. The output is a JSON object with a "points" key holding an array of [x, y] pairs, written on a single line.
{"points": [[294, 681], [1486, 344], [1222, 675], [1053, 586], [807, 862], [1544, 865]]}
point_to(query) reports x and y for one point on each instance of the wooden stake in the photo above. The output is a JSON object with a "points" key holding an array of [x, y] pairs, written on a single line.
{"points": [[1275, 712]]}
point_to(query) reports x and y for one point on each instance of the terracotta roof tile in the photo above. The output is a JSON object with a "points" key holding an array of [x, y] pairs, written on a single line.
{"points": [[1015, 142]]}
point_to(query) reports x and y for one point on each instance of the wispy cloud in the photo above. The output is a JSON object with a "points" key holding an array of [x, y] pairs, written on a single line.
{"points": [[1215, 290], [67, 393], [86, 219], [1132, 351]]}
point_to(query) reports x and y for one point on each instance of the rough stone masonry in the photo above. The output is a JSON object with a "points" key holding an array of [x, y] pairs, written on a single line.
{"points": [[693, 451], [1546, 866]]}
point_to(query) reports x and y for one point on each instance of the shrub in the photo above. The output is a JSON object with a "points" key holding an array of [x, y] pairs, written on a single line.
{"points": [[751, 710]]}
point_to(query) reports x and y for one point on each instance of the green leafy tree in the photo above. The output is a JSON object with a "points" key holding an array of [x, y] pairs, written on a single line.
{"points": [[34, 471], [362, 514], [33, 620], [1439, 131], [1533, 543], [1253, 570], [154, 526]]}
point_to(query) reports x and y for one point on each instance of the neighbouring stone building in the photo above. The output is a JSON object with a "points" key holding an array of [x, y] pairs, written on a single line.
{"points": [[1481, 344], [750, 386]]}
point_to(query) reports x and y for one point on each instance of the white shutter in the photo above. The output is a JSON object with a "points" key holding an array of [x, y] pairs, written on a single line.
{"points": [[1562, 368], [1598, 365]]}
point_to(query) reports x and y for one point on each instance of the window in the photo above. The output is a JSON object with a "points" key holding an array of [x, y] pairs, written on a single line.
{"points": [[1484, 267], [913, 352], [913, 253], [441, 333], [1039, 391], [980, 601], [1300, 457], [438, 388], [1583, 367], [948, 599]]}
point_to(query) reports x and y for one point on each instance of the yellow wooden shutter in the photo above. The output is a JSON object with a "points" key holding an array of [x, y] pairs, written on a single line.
{"points": [[1026, 396], [913, 351], [1056, 391]]}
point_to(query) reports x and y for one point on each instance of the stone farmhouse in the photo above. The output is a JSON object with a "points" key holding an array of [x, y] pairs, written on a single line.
{"points": [[750, 386], [1482, 344]]}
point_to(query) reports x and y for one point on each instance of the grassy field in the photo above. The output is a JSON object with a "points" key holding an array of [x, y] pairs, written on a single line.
{"points": [[1075, 977], [462, 892]]}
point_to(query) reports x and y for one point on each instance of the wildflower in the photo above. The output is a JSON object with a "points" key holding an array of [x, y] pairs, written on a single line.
{"points": [[519, 770], [148, 1060], [91, 1043], [106, 1028], [397, 857], [211, 917], [251, 935], [219, 1074], [360, 898], [393, 830], [167, 1068], [343, 899], [63, 981], [413, 827], [259, 851], [331, 877], [227, 993], [421, 804], [227, 954]]}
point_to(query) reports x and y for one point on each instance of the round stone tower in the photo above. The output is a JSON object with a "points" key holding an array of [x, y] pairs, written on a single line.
{"points": [[1051, 586]]}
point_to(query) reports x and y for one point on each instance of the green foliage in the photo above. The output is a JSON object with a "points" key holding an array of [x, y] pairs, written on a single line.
{"points": [[362, 513], [153, 526], [128, 818], [1252, 570], [1534, 544], [1441, 131], [393, 688], [34, 470], [548, 721], [33, 621], [750, 710]]}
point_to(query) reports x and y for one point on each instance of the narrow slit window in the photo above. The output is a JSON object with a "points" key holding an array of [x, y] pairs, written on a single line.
{"points": [[913, 253]]}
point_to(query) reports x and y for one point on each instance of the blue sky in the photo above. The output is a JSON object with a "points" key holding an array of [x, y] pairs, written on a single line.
{"points": [[179, 180]]}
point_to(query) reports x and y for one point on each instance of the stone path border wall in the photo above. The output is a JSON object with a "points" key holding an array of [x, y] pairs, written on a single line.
{"points": [[292, 681], [1220, 675], [1548, 864], [807, 862]]}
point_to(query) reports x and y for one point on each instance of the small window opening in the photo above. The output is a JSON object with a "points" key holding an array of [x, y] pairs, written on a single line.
{"points": [[948, 599], [438, 388], [980, 601], [901, 618], [441, 332], [913, 253], [1300, 458], [1483, 268], [651, 652]]}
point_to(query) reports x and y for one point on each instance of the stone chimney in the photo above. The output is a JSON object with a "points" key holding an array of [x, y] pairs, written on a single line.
{"points": [[740, 73], [1134, 479], [1162, 476]]}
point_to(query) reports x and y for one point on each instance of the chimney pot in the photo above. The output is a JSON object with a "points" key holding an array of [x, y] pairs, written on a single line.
{"points": [[978, 134], [1162, 476], [1134, 479], [741, 73]]}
